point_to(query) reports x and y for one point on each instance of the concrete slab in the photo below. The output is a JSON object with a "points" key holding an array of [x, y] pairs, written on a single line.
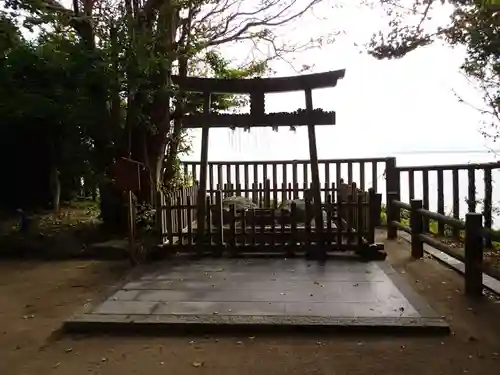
{"points": [[212, 294]]}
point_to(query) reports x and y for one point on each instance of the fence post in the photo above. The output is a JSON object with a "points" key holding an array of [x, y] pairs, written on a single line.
{"points": [[392, 187], [267, 193], [218, 218], [392, 214], [374, 215], [473, 254], [416, 226], [159, 214]]}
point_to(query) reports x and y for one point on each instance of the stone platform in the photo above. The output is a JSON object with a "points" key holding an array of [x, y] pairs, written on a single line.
{"points": [[260, 294]]}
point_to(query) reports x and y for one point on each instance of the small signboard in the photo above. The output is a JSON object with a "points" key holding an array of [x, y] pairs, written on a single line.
{"points": [[127, 174]]}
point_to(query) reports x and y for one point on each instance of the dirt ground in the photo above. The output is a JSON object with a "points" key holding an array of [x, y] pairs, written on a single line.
{"points": [[35, 297]]}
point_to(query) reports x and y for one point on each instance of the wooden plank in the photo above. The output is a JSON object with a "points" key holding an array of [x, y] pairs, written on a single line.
{"points": [[338, 173], [456, 201], [274, 187], [411, 184], [294, 181], [487, 206], [189, 225], [228, 176], [255, 198], [219, 236], [211, 179], [245, 172], [440, 200], [360, 222], [374, 176], [208, 226], [168, 221], [327, 175], [362, 175], [237, 179], [179, 220], [284, 195], [471, 196], [425, 198]]}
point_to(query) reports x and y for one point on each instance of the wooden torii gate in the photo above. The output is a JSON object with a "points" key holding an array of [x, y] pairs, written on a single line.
{"points": [[257, 88]]}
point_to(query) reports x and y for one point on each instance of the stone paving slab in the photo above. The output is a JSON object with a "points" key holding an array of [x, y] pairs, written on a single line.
{"points": [[213, 294]]}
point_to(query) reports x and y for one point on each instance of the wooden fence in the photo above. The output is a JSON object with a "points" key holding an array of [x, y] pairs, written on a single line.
{"points": [[288, 178], [184, 199], [474, 234], [397, 177], [350, 225]]}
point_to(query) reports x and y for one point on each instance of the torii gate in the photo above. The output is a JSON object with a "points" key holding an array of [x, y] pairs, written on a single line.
{"points": [[257, 88]]}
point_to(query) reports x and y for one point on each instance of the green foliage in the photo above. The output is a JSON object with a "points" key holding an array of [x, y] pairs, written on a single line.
{"points": [[47, 115]]}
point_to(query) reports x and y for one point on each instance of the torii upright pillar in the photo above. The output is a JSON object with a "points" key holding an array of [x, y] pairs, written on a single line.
{"points": [[316, 189], [202, 187]]}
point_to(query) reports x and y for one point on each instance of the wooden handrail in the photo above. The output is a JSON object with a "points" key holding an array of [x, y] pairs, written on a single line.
{"points": [[475, 236]]}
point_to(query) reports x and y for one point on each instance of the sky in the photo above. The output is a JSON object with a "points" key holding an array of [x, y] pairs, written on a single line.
{"points": [[383, 107]]}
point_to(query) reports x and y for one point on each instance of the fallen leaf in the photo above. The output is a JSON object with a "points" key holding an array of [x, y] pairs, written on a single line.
{"points": [[239, 343], [57, 365], [197, 364], [69, 350]]}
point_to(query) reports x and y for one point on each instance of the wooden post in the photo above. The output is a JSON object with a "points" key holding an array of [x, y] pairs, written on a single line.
{"points": [[392, 190], [374, 215], [487, 207], [131, 228], [202, 188], [473, 254], [416, 225], [392, 214], [159, 215], [219, 223], [267, 193], [313, 152]]}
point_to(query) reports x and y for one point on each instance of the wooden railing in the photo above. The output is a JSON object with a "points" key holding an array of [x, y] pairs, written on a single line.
{"points": [[472, 230], [350, 224], [288, 178], [182, 212], [402, 175]]}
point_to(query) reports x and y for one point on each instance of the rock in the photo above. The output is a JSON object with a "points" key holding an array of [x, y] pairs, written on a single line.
{"points": [[240, 204]]}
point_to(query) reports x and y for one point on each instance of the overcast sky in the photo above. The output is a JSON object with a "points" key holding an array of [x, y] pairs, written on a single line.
{"points": [[382, 107]]}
